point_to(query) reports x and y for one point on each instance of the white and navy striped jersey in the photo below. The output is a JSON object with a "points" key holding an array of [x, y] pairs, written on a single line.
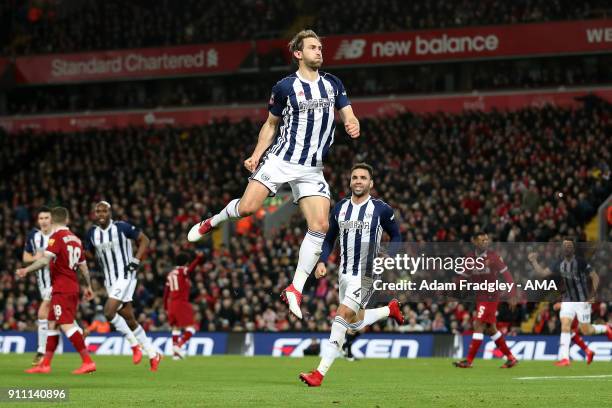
{"points": [[113, 249], [307, 110], [37, 241], [360, 229], [574, 275]]}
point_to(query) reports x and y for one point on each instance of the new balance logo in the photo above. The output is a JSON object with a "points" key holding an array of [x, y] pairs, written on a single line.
{"points": [[350, 49]]}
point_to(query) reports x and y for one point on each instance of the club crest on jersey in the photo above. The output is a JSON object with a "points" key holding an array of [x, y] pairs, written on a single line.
{"points": [[51, 241]]}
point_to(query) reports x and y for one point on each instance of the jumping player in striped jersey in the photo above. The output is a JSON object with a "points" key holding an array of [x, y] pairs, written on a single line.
{"points": [[112, 243], [35, 246], [359, 222], [303, 104]]}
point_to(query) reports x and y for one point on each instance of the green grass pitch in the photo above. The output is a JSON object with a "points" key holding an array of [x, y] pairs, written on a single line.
{"points": [[234, 381]]}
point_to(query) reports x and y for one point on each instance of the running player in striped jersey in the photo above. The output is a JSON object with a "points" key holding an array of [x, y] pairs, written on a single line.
{"points": [[176, 302], [574, 271], [35, 246], [359, 221], [112, 243], [303, 104]]}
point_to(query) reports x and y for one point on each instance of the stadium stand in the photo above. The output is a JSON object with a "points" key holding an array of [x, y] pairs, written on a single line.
{"points": [[442, 173]]}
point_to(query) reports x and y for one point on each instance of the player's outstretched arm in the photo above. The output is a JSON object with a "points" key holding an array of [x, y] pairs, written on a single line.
{"points": [[351, 123], [264, 140], [40, 263]]}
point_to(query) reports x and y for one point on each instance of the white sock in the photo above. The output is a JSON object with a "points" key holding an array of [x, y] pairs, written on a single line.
{"points": [[310, 250], [43, 326], [331, 349], [123, 328], [228, 213], [145, 342], [564, 345], [370, 317], [496, 336], [600, 328]]}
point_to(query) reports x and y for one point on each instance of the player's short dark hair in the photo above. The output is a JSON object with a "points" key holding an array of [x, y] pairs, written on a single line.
{"points": [[364, 166], [59, 215], [297, 42], [181, 259], [43, 209], [479, 232]]}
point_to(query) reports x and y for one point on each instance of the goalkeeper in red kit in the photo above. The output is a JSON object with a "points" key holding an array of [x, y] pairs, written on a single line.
{"points": [[176, 302]]}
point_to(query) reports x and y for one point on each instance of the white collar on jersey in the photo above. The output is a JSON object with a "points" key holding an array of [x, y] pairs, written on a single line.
{"points": [[305, 80], [359, 205]]}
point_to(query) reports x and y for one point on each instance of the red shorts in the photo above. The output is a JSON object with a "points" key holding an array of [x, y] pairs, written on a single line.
{"points": [[63, 307], [486, 312], [180, 313]]}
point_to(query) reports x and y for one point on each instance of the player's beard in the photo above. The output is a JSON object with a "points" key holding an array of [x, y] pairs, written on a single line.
{"points": [[360, 193], [313, 64]]}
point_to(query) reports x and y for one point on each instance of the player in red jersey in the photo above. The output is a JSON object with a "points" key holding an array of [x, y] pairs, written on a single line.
{"points": [[65, 255], [176, 302], [486, 303]]}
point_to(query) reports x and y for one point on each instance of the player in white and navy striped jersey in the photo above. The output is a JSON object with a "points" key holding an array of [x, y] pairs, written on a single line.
{"points": [[357, 223], [112, 243], [36, 243], [303, 105]]}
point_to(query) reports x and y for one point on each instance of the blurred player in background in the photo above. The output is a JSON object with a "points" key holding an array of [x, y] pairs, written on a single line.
{"points": [[577, 338], [574, 272], [359, 221], [486, 303], [294, 154], [176, 302], [112, 243], [35, 246], [64, 254]]}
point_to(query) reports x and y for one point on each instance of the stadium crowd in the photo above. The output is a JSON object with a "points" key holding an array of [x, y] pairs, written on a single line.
{"points": [[47, 26], [530, 175], [255, 88]]}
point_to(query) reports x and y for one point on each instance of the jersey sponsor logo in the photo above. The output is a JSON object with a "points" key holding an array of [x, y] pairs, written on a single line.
{"points": [[104, 246], [318, 104], [354, 225], [350, 49]]}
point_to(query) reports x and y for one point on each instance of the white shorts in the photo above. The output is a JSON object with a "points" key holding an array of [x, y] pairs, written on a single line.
{"points": [[580, 310], [122, 289], [305, 181], [45, 293], [353, 293]]}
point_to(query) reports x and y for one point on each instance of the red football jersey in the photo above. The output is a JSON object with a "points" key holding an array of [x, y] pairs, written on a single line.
{"points": [[67, 253], [178, 283], [494, 266]]}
